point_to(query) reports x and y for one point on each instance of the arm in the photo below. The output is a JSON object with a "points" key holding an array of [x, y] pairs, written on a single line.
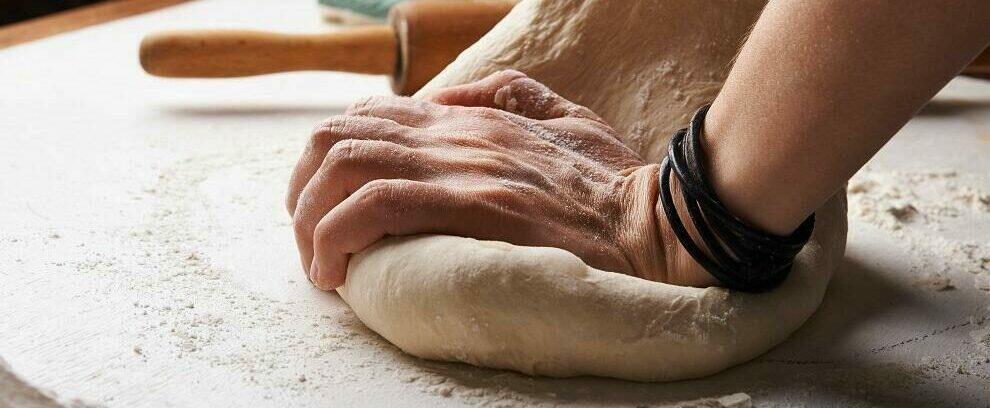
{"points": [[506, 159], [819, 87]]}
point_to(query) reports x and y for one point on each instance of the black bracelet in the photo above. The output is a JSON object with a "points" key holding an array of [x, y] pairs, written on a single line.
{"points": [[743, 258]]}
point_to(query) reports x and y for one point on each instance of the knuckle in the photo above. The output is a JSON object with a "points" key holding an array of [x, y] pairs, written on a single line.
{"points": [[291, 198], [355, 153], [403, 110], [384, 195], [368, 105], [377, 190], [323, 233], [301, 225], [341, 153], [331, 124], [329, 131], [362, 104]]}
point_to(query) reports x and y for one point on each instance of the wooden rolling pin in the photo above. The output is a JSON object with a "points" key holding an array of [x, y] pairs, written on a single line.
{"points": [[421, 39], [980, 67]]}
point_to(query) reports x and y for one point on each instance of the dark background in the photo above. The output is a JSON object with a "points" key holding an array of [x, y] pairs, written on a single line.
{"points": [[12, 11]]}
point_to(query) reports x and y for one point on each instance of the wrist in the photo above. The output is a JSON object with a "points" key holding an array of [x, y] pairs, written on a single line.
{"points": [[638, 232], [739, 170], [647, 239]]}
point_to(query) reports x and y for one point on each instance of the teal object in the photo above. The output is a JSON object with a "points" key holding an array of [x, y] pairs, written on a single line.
{"points": [[371, 8]]}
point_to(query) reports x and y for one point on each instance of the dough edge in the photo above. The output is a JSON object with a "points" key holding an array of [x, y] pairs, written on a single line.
{"points": [[542, 311]]}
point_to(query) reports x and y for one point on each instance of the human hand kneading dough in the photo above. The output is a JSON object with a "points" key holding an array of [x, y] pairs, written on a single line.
{"points": [[500, 159], [507, 159]]}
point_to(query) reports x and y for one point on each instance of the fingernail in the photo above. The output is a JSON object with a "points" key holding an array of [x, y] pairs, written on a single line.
{"points": [[505, 100], [500, 97]]}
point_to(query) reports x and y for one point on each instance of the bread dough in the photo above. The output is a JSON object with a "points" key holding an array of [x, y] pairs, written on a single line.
{"points": [[644, 66]]}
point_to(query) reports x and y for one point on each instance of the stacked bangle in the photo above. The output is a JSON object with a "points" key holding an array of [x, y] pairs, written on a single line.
{"points": [[742, 257]]}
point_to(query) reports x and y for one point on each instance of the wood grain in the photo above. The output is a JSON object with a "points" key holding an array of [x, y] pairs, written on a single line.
{"points": [[433, 33], [231, 53], [74, 19]]}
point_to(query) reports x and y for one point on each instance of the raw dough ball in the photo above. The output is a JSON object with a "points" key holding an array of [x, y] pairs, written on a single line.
{"points": [[543, 311], [644, 66]]}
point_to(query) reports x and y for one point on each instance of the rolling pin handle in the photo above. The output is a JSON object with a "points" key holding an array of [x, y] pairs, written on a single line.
{"points": [[234, 53]]}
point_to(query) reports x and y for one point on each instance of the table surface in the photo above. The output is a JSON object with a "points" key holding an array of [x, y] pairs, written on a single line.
{"points": [[146, 258]]}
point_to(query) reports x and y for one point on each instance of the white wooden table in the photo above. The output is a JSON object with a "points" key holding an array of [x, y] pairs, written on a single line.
{"points": [[146, 259]]}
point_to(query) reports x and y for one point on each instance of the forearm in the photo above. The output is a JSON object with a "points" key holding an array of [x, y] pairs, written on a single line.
{"points": [[819, 87]]}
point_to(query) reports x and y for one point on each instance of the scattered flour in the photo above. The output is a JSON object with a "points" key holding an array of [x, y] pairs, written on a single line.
{"points": [[918, 208], [186, 310], [935, 282]]}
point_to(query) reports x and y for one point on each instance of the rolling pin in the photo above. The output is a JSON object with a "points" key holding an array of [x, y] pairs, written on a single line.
{"points": [[980, 67], [422, 38]]}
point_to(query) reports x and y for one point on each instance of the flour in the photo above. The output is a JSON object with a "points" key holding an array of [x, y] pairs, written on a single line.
{"points": [[917, 208], [935, 282], [982, 281], [739, 400], [205, 316], [981, 339]]}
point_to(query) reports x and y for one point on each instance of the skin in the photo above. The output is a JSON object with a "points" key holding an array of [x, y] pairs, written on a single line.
{"points": [[501, 159], [817, 89]]}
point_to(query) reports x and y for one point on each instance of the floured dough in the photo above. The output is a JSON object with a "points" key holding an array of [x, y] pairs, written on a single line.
{"points": [[644, 66]]}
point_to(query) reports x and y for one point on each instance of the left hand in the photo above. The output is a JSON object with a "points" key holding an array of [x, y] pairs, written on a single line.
{"points": [[500, 159]]}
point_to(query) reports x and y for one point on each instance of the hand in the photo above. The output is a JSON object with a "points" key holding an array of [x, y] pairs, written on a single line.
{"points": [[500, 159]]}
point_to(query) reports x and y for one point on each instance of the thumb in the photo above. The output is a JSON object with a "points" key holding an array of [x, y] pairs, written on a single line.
{"points": [[529, 98], [512, 91], [480, 93]]}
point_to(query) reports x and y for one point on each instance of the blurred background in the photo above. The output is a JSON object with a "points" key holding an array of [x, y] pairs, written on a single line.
{"points": [[12, 11]]}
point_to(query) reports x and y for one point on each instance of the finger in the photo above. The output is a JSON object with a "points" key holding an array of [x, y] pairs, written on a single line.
{"points": [[349, 165], [529, 98], [403, 110], [514, 92], [402, 207], [380, 208], [480, 93], [330, 132]]}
